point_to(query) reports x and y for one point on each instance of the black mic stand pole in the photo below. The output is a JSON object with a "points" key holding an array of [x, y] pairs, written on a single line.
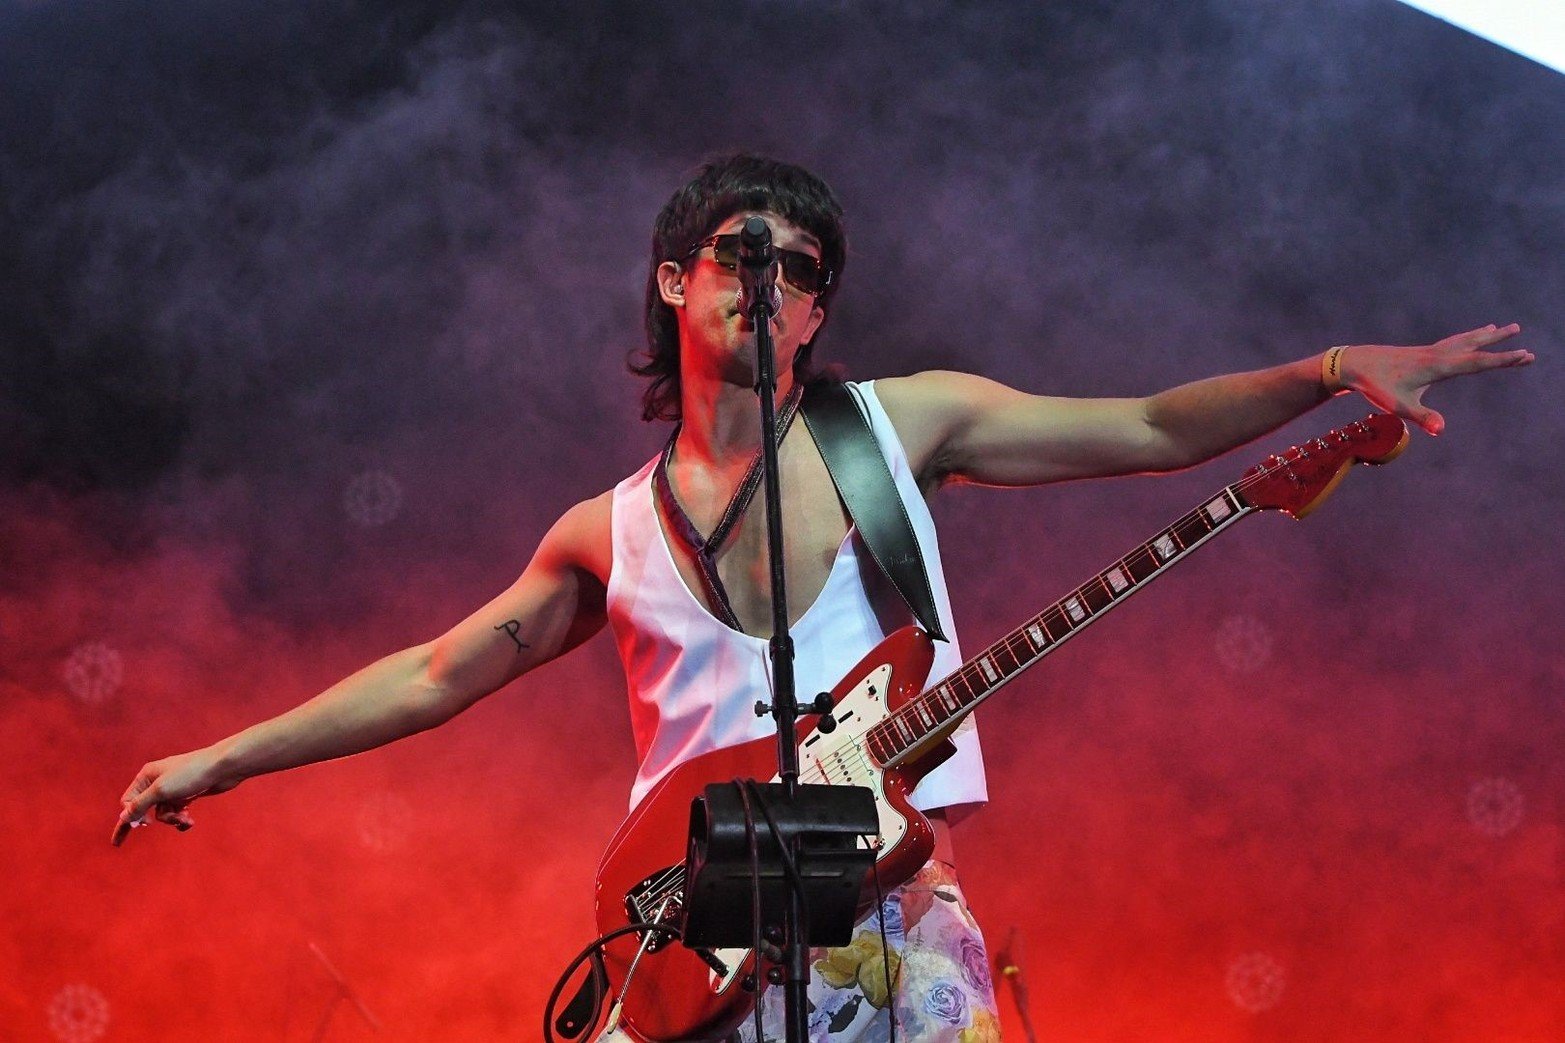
{"points": [[757, 277]]}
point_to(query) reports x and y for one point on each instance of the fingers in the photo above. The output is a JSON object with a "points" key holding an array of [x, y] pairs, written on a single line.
{"points": [[173, 813], [1464, 353], [137, 786], [135, 807], [1484, 336], [1478, 361], [145, 796], [1427, 419]]}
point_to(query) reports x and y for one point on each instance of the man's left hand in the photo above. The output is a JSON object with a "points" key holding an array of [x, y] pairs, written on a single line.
{"points": [[1395, 379]]}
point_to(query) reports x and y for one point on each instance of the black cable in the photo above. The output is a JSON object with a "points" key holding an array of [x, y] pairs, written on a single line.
{"points": [[755, 898], [594, 950], [885, 950], [789, 866]]}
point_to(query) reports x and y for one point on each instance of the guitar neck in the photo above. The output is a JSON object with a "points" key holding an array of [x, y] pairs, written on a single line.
{"points": [[927, 719]]}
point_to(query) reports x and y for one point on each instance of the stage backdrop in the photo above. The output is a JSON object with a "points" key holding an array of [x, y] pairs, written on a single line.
{"points": [[315, 316]]}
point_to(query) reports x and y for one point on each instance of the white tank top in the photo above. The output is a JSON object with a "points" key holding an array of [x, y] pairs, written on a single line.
{"points": [[694, 681]]}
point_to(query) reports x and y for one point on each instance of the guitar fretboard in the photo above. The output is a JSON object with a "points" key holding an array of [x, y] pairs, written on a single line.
{"points": [[931, 713]]}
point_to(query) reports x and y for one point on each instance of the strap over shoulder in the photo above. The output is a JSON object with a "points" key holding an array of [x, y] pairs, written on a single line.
{"points": [[859, 471]]}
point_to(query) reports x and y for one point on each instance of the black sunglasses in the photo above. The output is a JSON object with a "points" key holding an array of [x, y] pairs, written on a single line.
{"points": [[805, 273]]}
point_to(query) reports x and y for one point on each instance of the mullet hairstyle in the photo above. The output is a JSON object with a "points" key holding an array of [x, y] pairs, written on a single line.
{"points": [[720, 189]]}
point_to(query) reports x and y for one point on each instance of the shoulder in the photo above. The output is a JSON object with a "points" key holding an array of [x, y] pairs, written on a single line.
{"points": [[939, 389], [582, 537], [929, 408]]}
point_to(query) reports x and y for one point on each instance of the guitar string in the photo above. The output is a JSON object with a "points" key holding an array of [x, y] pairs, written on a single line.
{"points": [[903, 718], [932, 698]]}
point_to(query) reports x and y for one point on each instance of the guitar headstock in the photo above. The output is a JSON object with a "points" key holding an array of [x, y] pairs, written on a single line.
{"points": [[1299, 480]]}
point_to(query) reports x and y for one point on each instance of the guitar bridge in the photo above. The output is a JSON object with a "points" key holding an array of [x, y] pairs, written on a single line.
{"points": [[660, 899]]}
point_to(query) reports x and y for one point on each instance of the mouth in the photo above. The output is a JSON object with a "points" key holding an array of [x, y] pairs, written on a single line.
{"points": [[747, 325], [743, 312]]}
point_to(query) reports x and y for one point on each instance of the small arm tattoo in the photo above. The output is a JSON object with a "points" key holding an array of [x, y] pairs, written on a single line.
{"points": [[512, 627]]}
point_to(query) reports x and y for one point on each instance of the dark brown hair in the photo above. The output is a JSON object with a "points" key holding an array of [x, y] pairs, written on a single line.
{"points": [[721, 188]]}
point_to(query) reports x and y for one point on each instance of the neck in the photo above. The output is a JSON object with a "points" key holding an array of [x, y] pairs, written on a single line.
{"points": [[722, 420]]}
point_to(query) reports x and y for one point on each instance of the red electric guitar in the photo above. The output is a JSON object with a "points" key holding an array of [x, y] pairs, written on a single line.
{"points": [[891, 731]]}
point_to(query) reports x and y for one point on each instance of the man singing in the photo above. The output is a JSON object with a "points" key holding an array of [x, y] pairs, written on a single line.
{"points": [[674, 560]]}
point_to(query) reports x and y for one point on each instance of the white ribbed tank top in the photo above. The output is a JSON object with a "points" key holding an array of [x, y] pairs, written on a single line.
{"points": [[693, 681]]}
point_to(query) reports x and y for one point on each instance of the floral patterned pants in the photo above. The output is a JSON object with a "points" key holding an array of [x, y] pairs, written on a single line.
{"points": [[940, 988]]}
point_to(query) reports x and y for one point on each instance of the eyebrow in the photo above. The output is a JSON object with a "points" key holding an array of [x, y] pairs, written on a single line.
{"points": [[810, 239]]}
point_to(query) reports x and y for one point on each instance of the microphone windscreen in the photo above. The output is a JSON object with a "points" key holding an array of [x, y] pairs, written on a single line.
{"points": [[742, 305]]}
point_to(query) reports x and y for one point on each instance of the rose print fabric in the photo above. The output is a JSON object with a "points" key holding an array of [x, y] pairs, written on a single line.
{"points": [[939, 984], [940, 987]]}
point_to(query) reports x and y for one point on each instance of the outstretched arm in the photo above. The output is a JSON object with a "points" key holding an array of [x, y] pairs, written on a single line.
{"points": [[555, 605], [960, 427]]}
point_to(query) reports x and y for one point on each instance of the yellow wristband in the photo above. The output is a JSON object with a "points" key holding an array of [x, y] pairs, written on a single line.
{"points": [[1331, 370]]}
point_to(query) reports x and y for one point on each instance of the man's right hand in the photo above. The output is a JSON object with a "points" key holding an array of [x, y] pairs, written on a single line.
{"points": [[166, 788]]}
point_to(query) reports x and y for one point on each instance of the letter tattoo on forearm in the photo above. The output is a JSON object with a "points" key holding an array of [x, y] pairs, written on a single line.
{"points": [[512, 627]]}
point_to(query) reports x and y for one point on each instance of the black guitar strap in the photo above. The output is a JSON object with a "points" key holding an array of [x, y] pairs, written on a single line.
{"points": [[864, 482]]}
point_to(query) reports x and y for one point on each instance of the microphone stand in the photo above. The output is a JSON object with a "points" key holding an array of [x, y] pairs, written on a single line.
{"points": [[757, 264], [817, 852]]}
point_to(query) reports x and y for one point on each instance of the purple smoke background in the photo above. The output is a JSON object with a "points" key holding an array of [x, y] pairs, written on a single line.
{"points": [[315, 316]]}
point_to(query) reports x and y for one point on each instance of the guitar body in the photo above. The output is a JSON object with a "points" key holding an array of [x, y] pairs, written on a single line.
{"points": [[676, 995]]}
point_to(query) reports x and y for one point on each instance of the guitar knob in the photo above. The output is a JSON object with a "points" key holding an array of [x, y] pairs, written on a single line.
{"points": [[776, 975], [822, 706]]}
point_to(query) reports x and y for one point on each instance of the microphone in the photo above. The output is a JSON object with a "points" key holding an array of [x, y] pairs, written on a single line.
{"points": [[758, 289]]}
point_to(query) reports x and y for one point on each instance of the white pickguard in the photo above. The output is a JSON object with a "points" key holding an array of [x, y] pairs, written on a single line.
{"points": [[839, 757]]}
